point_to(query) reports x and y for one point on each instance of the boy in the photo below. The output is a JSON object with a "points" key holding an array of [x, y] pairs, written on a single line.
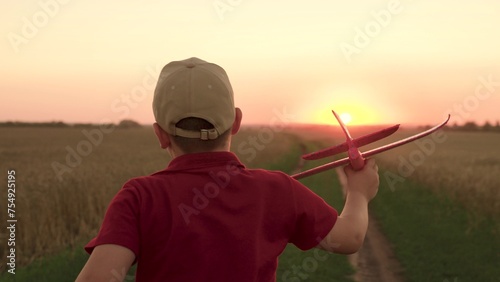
{"points": [[206, 217]]}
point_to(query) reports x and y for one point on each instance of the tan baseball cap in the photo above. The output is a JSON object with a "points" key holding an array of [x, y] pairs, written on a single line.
{"points": [[194, 88]]}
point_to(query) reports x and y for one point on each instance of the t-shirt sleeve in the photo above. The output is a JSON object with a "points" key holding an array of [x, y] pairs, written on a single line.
{"points": [[121, 222], [314, 217]]}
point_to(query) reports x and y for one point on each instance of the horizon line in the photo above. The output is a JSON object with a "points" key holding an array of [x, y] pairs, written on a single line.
{"points": [[250, 124]]}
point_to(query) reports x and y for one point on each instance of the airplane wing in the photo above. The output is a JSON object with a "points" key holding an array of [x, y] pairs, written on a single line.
{"points": [[359, 142], [405, 141], [370, 153]]}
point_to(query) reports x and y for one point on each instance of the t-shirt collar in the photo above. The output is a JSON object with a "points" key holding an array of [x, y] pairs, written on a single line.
{"points": [[204, 160]]}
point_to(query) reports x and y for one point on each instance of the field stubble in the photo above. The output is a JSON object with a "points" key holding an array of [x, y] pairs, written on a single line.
{"points": [[462, 166], [54, 215], [465, 167]]}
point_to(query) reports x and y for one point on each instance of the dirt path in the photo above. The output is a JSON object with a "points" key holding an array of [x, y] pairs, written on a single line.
{"points": [[375, 261]]}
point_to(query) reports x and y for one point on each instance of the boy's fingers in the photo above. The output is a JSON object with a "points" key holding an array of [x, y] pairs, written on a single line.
{"points": [[369, 163], [348, 169]]}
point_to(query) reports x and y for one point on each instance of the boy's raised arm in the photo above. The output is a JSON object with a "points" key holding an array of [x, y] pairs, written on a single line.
{"points": [[348, 233]]}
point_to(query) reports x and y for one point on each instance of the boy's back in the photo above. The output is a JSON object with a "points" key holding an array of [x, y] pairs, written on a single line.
{"points": [[207, 218]]}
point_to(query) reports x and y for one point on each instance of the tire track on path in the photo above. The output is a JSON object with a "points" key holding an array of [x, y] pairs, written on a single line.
{"points": [[375, 261]]}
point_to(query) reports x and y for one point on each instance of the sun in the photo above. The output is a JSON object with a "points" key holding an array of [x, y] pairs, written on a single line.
{"points": [[351, 115], [346, 118]]}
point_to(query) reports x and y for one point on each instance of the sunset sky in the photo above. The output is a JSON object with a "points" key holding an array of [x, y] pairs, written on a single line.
{"points": [[407, 62]]}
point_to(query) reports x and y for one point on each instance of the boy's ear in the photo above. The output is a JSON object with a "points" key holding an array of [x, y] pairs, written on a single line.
{"points": [[162, 136], [237, 121]]}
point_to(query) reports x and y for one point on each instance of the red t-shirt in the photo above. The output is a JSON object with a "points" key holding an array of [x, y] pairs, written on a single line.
{"points": [[208, 218]]}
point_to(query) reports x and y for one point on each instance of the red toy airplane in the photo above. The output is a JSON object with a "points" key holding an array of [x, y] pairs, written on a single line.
{"points": [[355, 157]]}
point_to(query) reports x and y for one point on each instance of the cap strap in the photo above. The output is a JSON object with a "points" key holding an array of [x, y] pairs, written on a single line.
{"points": [[203, 134]]}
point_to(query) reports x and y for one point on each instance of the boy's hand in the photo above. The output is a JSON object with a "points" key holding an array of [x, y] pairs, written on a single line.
{"points": [[364, 181]]}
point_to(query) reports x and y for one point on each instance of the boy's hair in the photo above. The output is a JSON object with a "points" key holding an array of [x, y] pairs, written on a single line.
{"points": [[192, 145]]}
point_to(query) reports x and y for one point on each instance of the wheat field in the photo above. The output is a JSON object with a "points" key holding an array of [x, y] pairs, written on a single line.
{"points": [[60, 206], [55, 213], [462, 166]]}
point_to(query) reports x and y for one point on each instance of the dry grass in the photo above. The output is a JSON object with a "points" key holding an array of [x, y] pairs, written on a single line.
{"points": [[464, 167], [56, 214], [53, 215]]}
